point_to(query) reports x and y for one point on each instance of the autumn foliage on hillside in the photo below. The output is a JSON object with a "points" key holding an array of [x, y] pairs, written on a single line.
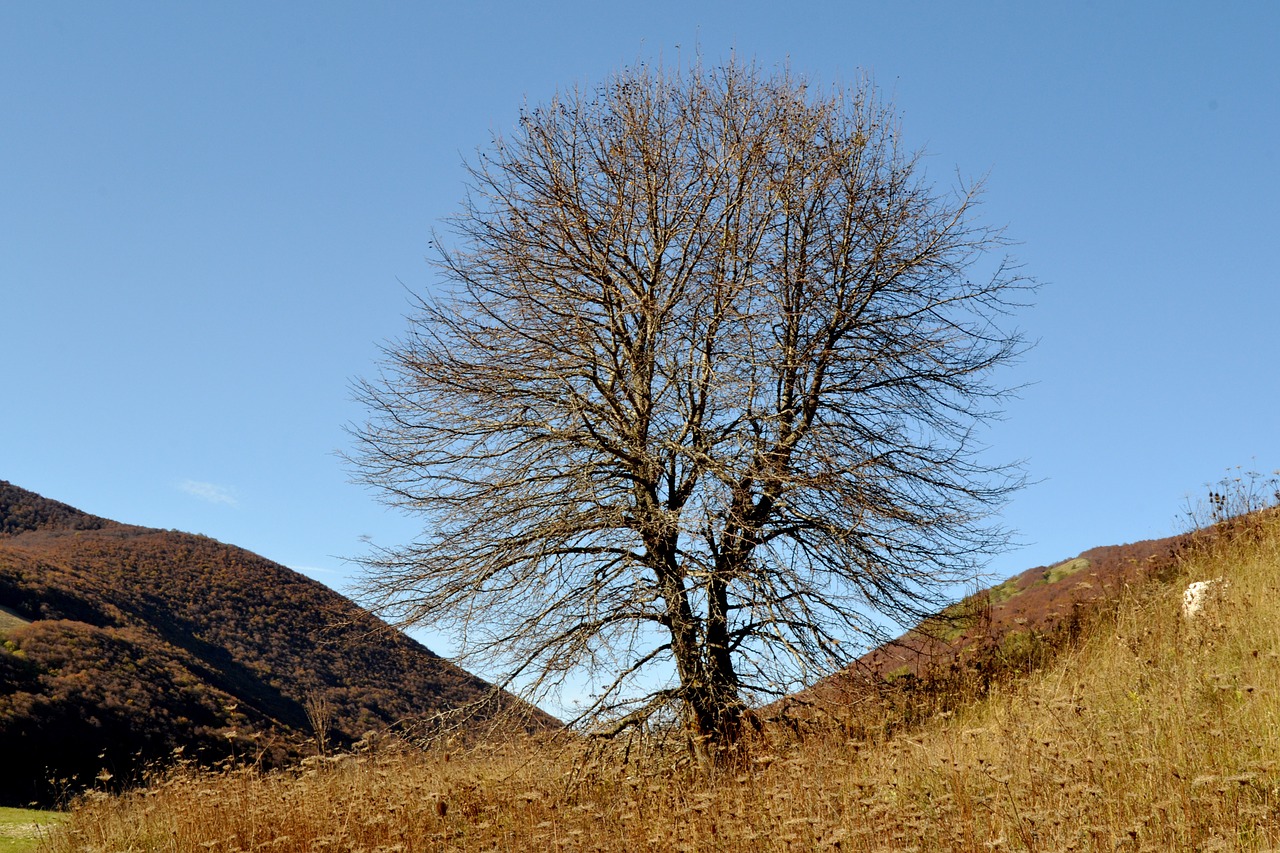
{"points": [[138, 643]]}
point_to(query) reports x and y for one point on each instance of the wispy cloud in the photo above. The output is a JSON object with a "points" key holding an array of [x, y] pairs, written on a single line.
{"points": [[211, 492], [315, 571]]}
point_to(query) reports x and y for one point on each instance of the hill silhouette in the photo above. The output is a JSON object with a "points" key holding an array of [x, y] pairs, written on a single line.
{"points": [[1004, 631], [1043, 600], [120, 645]]}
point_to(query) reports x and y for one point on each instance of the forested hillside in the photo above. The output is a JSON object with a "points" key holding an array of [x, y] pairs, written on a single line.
{"points": [[122, 645]]}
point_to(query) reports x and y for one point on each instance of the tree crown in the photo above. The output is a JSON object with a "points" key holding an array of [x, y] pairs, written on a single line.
{"points": [[701, 394]]}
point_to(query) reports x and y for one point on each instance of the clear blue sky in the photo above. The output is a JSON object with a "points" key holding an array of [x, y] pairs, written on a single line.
{"points": [[209, 214]]}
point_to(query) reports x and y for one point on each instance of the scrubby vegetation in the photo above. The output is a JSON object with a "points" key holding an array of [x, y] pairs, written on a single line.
{"points": [[1137, 730]]}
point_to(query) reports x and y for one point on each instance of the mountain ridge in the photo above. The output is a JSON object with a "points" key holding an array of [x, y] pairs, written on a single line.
{"points": [[23, 511], [1012, 626], [123, 644]]}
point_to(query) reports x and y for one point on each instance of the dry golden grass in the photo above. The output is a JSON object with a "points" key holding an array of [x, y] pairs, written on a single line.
{"points": [[1151, 733]]}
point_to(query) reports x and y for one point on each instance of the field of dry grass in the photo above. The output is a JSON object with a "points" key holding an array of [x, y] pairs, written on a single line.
{"points": [[1152, 732]]}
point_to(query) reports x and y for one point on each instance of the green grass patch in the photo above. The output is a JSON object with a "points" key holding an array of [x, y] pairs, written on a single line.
{"points": [[22, 829], [10, 620], [1001, 593], [901, 672], [1062, 570], [948, 629], [951, 624]]}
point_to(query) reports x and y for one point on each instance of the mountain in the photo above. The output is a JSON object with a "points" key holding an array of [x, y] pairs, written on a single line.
{"points": [[1043, 599], [1012, 627], [123, 645]]}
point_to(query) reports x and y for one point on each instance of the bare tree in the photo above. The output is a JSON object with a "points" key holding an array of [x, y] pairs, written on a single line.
{"points": [[700, 397]]}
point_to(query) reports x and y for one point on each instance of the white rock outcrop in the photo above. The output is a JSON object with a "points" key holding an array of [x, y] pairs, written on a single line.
{"points": [[1198, 594]]}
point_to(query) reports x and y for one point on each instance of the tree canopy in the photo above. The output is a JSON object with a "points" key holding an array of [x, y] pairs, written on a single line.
{"points": [[698, 396]]}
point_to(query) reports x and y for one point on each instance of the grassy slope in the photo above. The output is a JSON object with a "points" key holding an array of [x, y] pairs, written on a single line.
{"points": [[1151, 733], [10, 620], [22, 829]]}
